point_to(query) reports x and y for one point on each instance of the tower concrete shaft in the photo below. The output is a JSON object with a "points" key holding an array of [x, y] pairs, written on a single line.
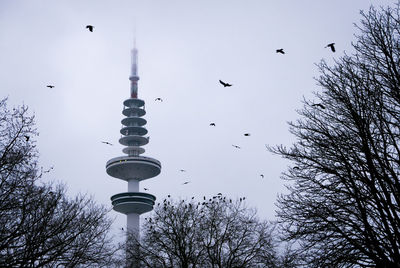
{"points": [[133, 167]]}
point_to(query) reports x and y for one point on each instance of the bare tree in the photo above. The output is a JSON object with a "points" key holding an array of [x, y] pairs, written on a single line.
{"points": [[343, 205], [214, 233], [39, 225]]}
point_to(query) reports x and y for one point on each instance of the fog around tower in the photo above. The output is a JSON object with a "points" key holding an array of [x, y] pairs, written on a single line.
{"points": [[185, 48]]}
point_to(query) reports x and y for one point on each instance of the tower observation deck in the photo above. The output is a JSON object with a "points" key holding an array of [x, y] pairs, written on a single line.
{"points": [[133, 167]]}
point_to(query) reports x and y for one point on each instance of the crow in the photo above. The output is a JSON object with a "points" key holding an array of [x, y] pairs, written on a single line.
{"points": [[247, 134], [146, 189], [332, 46], [50, 86], [158, 99], [237, 147], [225, 84], [106, 142], [186, 182], [48, 170], [262, 175], [318, 105], [182, 170], [212, 124], [90, 27], [280, 51]]}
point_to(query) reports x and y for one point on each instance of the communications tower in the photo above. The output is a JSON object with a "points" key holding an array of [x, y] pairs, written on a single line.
{"points": [[133, 167]]}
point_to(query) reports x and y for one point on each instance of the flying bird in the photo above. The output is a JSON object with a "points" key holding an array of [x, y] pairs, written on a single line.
{"points": [[182, 170], [247, 134], [146, 189], [318, 105], [90, 27], [262, 176], [237, 147], [50, 86], [47, 171], [106, 142], [225, 84], [158, 99], [332, 46], [280, 51], [186, 182], [212, 124]]}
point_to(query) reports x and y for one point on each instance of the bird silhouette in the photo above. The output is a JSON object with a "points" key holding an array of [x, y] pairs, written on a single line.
{"points": [[237, 147], [247, 134], [158, 99], [186, 182], [332, 46], [48, 170], [106, 142], [146, 189], [280, 51], [262, 176], [318, 105], [50, 86], [90, 27], [225, 84], [182, 170], [212, 124]]}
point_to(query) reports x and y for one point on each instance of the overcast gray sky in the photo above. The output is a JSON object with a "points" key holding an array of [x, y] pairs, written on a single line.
{"points": [[185, 47]]}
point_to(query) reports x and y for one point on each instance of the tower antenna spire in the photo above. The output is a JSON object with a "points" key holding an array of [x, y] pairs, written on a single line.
{"points": [[134, 77]]}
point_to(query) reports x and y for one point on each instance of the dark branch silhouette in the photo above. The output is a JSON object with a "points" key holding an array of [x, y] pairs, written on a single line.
{"points": [[343, 205]]}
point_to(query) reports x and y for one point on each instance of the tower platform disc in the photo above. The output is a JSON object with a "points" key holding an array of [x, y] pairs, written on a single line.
{"points": [[133, 167], [133, 202]]}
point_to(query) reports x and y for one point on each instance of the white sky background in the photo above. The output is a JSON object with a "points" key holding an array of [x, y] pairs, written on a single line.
{"points": [[185, 47]]}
